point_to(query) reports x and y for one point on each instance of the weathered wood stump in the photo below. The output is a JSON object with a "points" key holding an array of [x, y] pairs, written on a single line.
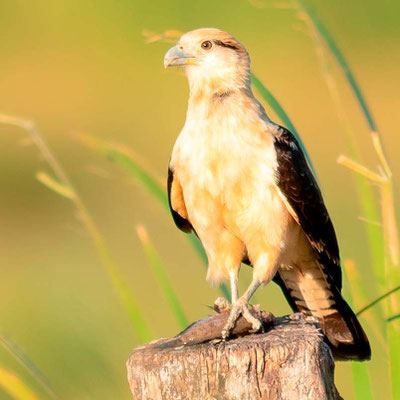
{"points": [[290, 361]]}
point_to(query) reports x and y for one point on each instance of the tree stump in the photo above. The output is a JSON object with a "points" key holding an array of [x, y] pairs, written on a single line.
{"points": [[291, 361]]}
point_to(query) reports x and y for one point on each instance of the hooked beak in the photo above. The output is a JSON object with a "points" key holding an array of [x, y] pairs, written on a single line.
{"points": [[174, 56]]}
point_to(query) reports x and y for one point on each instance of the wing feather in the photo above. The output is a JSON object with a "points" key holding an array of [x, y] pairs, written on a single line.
{"points": [[304, 201], [177, 203], [301, 193]]}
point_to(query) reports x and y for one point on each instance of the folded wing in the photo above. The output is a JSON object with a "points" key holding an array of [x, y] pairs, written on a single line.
{"points": [[302, 196]]}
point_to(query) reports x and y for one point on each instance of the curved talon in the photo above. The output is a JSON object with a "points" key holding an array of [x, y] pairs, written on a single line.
{"points": [[255, 322], [221, 305], [240, 308]]}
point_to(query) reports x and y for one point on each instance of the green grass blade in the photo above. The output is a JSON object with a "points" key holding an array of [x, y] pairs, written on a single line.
{"points": [[361, 379], [393, 278], [394, 317], [124, 292], [274, 104], [366, 197], [331, 44], [27, 363], [338, 55], [369, 210], [14, 386], [161, 277], [280, 112], [377, 300], [393, 332], [126, 159], [368, 204], [357, 295], [390, 236], [374, 237], [64, 187]]}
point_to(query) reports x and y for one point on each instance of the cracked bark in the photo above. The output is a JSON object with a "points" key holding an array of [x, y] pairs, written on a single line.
{"points": [[291, 361]]}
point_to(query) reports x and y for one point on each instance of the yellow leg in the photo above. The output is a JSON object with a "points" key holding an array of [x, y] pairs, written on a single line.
{"points": [[240, 307], [233, 276]]}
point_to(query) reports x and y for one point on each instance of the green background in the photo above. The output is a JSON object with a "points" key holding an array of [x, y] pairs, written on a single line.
{"points": [[83, 66]]}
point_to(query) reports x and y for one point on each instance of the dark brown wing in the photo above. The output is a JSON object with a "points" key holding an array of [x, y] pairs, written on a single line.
{"points": [[297, 183], [177, 203], [301, 193]]}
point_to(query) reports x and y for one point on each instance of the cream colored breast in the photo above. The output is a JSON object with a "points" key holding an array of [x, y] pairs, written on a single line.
{"points": [[218, 154]]}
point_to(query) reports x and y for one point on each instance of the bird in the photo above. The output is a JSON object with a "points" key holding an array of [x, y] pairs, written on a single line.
{"points": [[243, 185]]}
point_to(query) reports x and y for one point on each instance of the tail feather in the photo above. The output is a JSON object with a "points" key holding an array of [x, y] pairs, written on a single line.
{"points": [[344, 332], [340, 325]]}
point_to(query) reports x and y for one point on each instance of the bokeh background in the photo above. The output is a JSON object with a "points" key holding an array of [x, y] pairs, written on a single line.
{"points": [[84, 66]]}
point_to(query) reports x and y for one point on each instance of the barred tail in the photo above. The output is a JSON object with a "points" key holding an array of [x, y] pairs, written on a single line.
{"points": [[345, 333], [322, 299]]}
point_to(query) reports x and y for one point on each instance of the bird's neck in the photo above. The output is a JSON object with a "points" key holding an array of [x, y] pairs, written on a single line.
{"points": [[207, 85], [213, 93], [221, 100], [206, 94]]}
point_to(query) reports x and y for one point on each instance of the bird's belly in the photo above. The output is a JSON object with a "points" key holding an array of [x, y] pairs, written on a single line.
{"points": [[256, 211], [240, 199], [229, 187]]}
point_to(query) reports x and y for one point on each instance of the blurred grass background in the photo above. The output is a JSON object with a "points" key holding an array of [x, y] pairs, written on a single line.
{"points": [[83, 67]]}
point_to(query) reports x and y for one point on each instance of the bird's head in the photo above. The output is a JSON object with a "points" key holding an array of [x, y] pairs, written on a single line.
{"points": [[212, 59]]}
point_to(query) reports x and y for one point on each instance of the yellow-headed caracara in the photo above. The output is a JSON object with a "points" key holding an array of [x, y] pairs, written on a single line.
{"points": [[242, 184]]}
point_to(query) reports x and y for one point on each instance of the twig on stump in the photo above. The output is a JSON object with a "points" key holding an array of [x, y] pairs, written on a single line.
{"points": [[291, 361]]}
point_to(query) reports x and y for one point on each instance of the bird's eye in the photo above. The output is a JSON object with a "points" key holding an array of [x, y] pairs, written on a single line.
{"points": [[206, 45]]}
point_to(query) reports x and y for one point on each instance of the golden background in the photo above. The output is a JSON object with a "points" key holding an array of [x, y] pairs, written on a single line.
{"points": [[84, 66]]}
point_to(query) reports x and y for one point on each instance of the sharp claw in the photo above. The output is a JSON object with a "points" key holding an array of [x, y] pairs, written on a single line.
{"points": [[255, 322], [221, 304], [230, 323], [256, 327], [237, 309]]}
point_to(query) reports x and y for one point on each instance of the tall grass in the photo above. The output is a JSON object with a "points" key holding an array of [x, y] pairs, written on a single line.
{"points": [[161, 275], [62, 186], [20, 356], [271, 100], [324, 46], [384, 322], [361, 378], [383, 243]]}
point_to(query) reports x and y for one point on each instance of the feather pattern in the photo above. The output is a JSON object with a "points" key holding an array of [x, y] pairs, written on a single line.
{"points": [[315, 288], [296, 181]]}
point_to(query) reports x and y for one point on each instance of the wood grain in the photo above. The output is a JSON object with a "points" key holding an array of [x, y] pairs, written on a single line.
{"points": [[291, 361]]}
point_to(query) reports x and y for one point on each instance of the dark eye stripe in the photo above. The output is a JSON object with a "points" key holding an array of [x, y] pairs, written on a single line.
{"points": [[228, 45]]}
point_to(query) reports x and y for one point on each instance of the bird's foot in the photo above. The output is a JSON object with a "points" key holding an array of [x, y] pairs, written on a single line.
{"points": [[221, 305], [240, 307]]}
